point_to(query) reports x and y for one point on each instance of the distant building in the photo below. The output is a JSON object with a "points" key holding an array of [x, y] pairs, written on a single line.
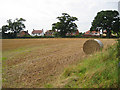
{"points": [[23, 33], [37, 32], [76, 32], [104, 34], [91, 34], [49, 33]]}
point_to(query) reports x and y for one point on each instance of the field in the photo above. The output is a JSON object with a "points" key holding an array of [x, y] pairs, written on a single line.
{"points": [[36, 62]]}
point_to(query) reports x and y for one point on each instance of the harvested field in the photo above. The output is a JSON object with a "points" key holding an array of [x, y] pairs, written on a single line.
{"points": [[35, 62]]}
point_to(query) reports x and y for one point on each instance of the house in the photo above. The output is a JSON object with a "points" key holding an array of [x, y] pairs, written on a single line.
{"points": [[23, 33], [72, 33], [91, 34], [104, 34], [49, 33], [37, 32], [75, 33]]}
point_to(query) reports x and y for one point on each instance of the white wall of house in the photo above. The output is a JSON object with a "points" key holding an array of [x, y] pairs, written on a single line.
{"points": [[37, 34]]}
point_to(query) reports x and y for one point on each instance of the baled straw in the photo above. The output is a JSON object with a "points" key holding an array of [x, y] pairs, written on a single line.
{"points": [[91, 46]]}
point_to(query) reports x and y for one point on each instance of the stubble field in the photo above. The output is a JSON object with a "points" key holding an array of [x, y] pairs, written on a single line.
{"points": [[32, 63]]}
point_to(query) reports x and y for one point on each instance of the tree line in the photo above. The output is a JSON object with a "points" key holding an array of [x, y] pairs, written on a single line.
{"points": [[105, 20]]}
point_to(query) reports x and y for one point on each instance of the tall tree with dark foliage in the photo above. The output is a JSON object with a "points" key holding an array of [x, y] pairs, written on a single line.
{"points": [[65, 24], [106, 20], [13, 27]]}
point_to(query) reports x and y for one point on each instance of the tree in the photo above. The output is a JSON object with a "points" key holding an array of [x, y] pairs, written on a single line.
{"points": [[56, 34], [65, 24], [105, 20], [13, 26], [4, 28], [116, 26]]}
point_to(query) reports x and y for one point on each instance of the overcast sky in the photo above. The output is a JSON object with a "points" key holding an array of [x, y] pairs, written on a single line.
{"points": [[41, 14]]}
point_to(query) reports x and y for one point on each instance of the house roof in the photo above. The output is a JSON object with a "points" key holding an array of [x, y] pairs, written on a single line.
{"points": [[88, 32], [37, 31], [23, 33], [105, 31], [49, 31]]}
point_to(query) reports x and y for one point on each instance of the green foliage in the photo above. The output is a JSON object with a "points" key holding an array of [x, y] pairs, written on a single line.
{"points": [[65, 24], [56, 34], [118, 56], [116, 26], [97, 71], [48, 85], [27, 36], [118, 47], [4, 58], [14, 27], [106, 20]]}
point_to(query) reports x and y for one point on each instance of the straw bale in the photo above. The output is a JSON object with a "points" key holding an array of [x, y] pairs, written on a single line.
{"points": [[92, 46]]}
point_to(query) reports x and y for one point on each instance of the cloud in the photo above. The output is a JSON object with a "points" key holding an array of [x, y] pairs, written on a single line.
{"points": [[40, 14]]}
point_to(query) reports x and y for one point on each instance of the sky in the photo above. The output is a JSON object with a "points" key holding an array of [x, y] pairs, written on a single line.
{"points": [[41, 14]]}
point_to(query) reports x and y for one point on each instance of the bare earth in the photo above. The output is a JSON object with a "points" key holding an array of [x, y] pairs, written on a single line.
{"points": [[32, 63]]}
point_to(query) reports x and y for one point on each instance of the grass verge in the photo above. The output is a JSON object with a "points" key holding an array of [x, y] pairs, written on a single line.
{"points": [[118, 56], [98, 71], [4, 58]]}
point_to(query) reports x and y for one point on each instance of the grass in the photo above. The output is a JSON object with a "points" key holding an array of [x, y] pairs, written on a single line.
{"points": [[118, 55], [4, 58], [98, 71], [48, 85]]}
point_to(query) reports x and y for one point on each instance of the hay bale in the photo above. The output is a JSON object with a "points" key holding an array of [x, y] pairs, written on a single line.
{"points": [[92, 45]]}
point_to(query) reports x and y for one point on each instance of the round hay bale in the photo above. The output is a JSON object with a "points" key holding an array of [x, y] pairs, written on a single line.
{"points": [[92, 45]]}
